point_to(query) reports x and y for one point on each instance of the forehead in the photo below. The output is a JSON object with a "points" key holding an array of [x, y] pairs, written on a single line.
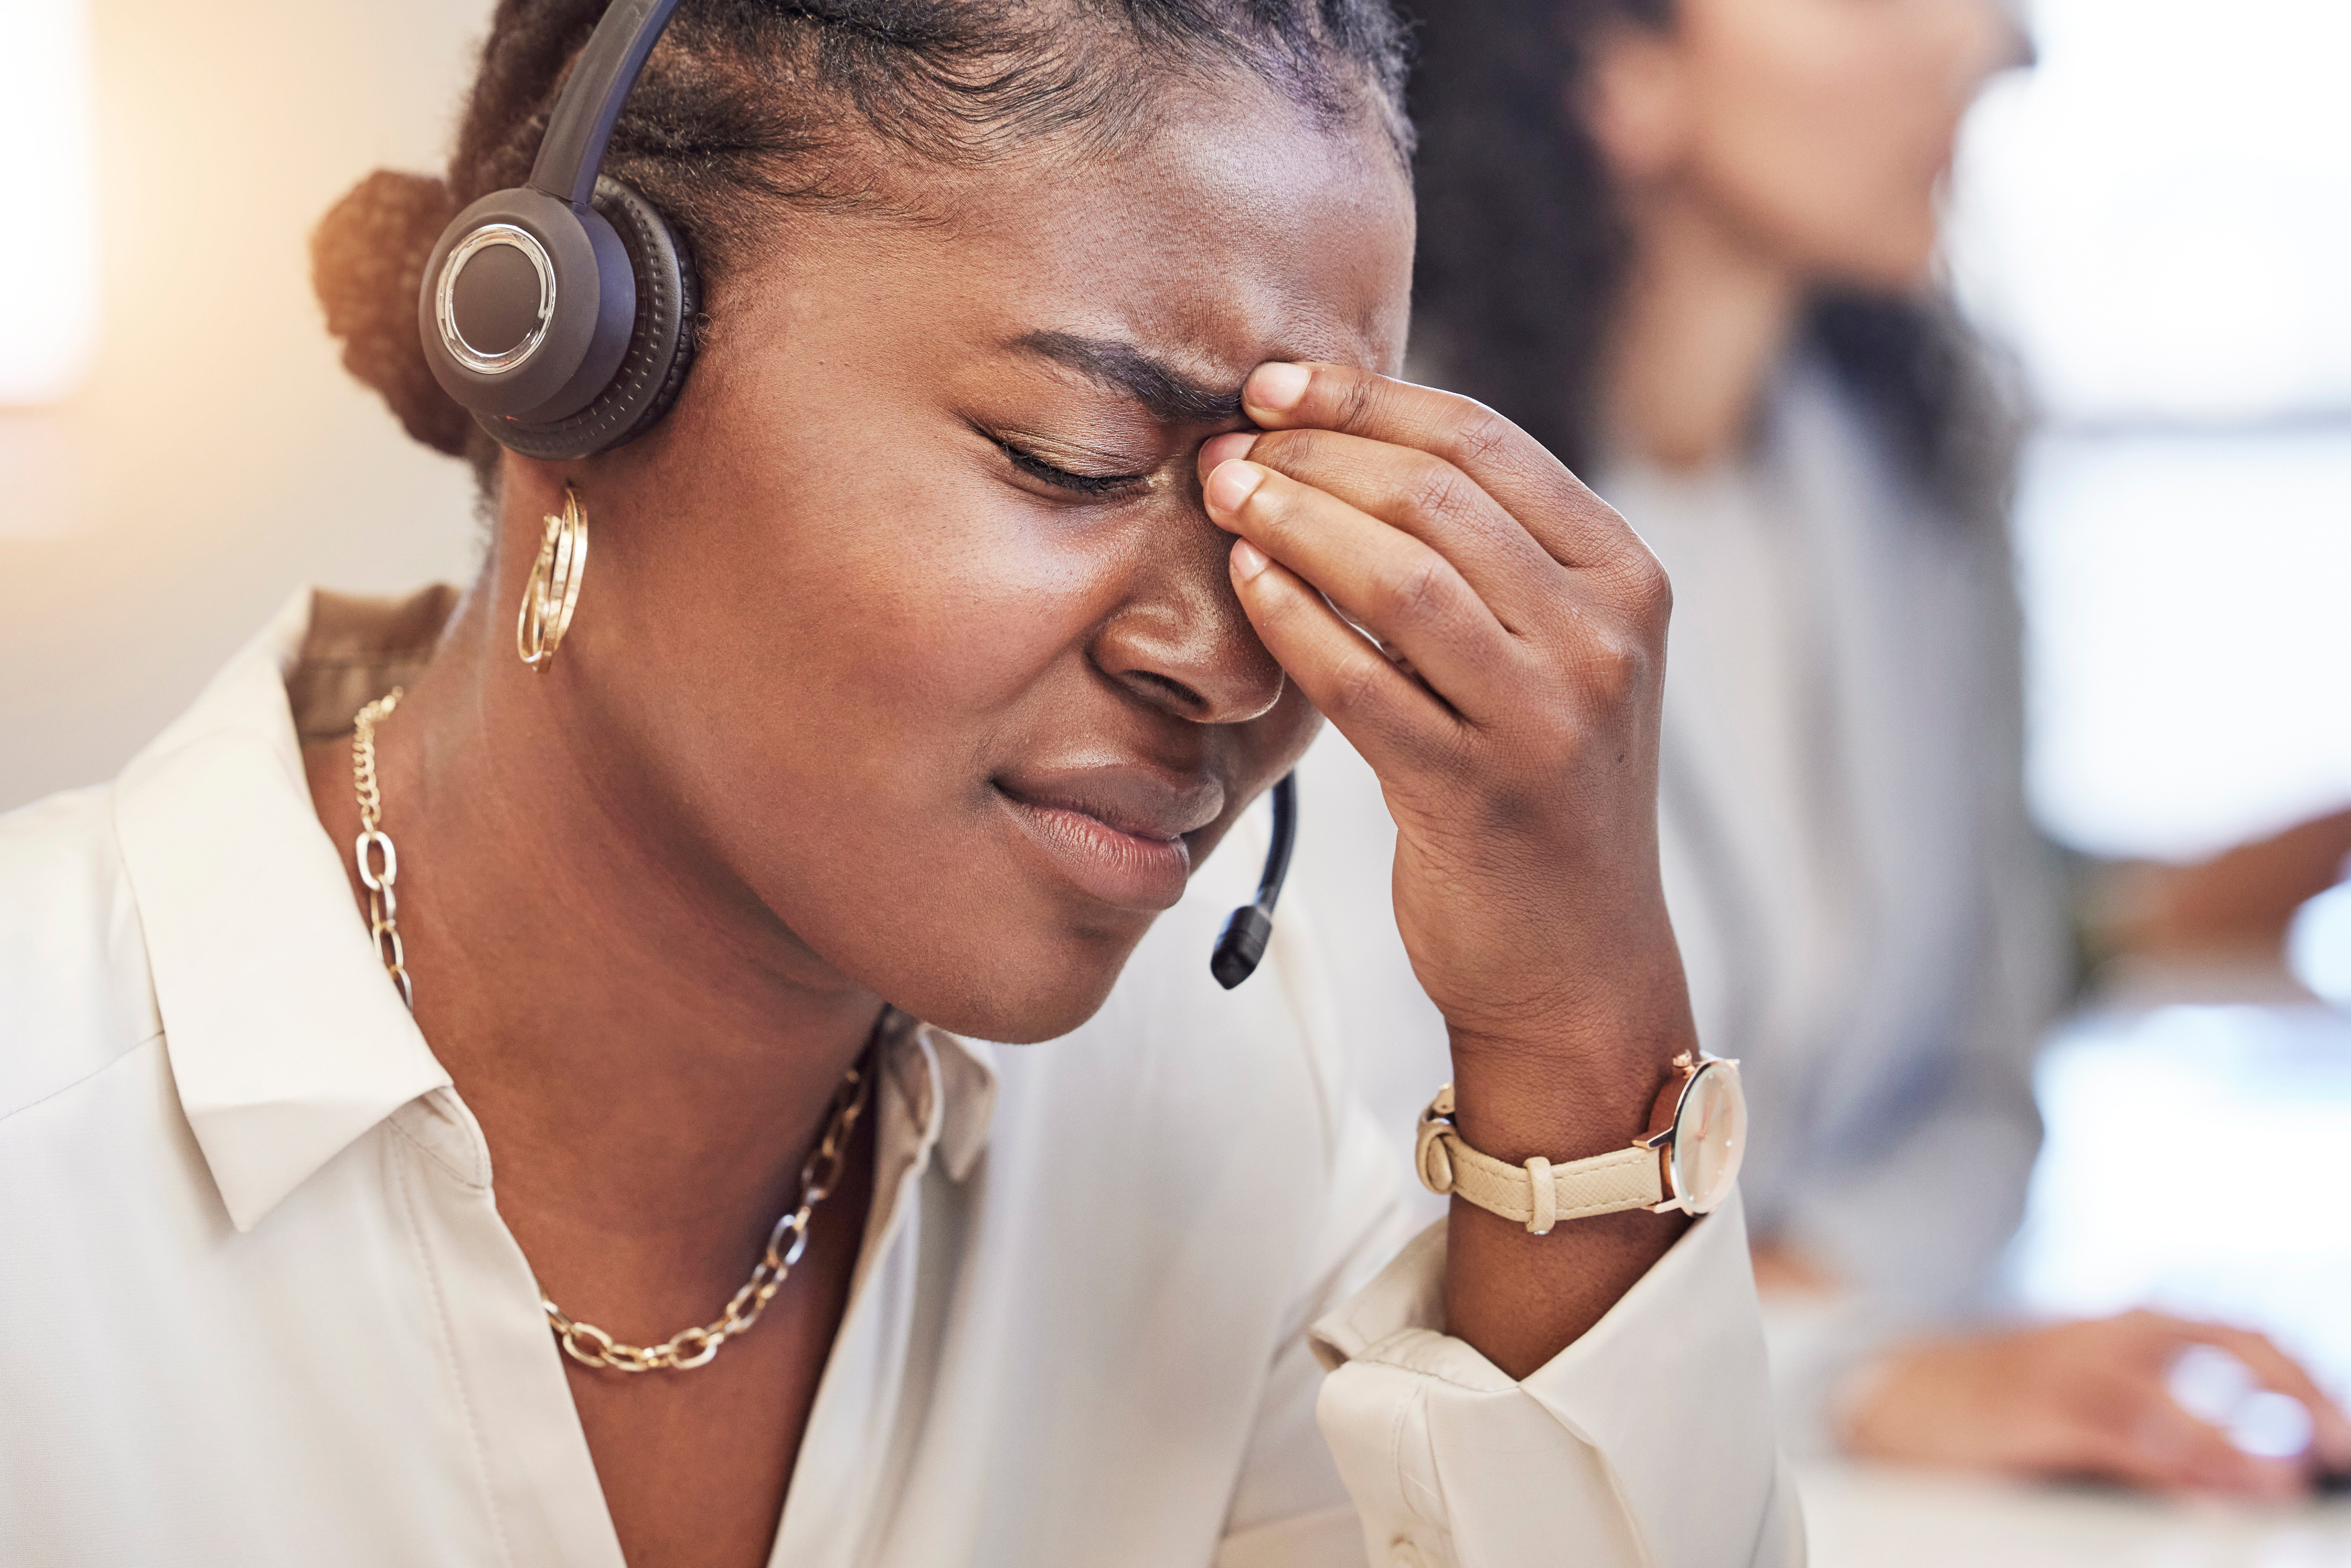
{"points": [[1235, 231]]}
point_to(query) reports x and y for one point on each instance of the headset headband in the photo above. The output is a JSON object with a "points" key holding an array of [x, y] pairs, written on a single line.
{"points": [[590, 104]]}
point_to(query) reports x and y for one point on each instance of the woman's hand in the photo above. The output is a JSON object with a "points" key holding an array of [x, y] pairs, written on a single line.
{"points": [[1510, 708], [2084, 1398]]}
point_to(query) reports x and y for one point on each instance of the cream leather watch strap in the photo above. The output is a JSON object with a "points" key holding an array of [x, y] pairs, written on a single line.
{"points": [[1537, 1194]]}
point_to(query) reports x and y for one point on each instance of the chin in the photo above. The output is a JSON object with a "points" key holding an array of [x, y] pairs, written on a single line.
{"points": [[1880, 248], [1021, 992], [1891, 270]]}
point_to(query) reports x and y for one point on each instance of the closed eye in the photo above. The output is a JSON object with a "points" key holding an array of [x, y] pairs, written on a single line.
{"points": [[1088, 485]]}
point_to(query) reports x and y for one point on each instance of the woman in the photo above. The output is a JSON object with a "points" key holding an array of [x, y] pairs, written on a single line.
{"points": [[1688, 245], [968, 595]]}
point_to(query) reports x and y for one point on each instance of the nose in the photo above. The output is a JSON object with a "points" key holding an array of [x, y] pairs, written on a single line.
{"points": [[1179, 641]]}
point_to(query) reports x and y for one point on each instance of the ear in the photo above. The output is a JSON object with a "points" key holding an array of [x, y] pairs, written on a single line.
{"points": [[1636, 99]]}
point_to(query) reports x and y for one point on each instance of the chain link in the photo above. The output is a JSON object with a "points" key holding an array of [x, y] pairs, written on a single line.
{"points": [[821, 1172], [691, 1347], [383, 904]]}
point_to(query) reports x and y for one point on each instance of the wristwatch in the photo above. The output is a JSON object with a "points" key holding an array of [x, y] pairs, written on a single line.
{"points": [[1687, 1159]]}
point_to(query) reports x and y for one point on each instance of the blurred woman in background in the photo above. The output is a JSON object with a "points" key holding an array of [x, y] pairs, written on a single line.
{"points": [[1689, 246]]}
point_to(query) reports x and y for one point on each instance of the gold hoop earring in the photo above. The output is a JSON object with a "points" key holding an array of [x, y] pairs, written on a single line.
{"points": [[553, 590]]}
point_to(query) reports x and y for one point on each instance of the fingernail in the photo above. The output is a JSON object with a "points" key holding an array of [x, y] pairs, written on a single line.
{"points": [[1248, 560], [1223, 449], [1277, 387], [1232, 484]]}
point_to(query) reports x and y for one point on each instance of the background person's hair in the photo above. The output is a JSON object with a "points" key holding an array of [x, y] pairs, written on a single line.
{"points": [[750, 107], [1524, 249]]}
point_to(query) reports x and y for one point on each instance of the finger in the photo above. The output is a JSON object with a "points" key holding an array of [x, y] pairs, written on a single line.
{"points": [[2153, 1440], [2330, 1431], [1572, 525], [1217, 451], [2159, 1464], [1395, 587], [1436, 504], [1383, 712]]}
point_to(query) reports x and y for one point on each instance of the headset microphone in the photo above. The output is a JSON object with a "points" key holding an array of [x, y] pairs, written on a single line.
{"points": [[1245, 933], [561, 313]]}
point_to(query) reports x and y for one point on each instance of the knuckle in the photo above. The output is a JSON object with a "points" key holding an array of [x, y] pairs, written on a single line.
{"points": [[1481, 435], [1650, 588], [1616, 664], [1354, 686], [1290, 451], [1415, 588], [1357, 398], [1434, 492]]}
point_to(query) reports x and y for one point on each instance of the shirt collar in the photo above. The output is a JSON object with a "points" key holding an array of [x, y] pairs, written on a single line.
{"points": [[947, 1085], [286, 1039], [287, 1042]]}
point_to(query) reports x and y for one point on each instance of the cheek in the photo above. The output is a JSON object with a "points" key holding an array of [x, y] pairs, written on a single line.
{"points": [[816, 619], [829, 670], [908, 616], [1828, 143]]}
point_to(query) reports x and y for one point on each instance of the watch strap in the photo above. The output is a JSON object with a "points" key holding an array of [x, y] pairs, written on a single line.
{"points": [[1537, 1194]]}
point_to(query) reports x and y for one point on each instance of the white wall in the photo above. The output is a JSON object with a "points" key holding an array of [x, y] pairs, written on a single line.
{"points": [[217, 457]]}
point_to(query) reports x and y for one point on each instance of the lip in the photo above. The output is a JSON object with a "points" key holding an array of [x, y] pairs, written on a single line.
{"points": [[1115, 832]]}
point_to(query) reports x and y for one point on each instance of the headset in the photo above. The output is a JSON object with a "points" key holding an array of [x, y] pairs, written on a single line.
{"points": [[560, 315]]}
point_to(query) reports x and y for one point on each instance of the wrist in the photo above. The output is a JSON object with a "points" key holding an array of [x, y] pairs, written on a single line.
{"points": [[1562, 1099]]}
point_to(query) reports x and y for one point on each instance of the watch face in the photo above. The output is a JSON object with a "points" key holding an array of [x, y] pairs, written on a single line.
{"points": [[1709, 1137]]}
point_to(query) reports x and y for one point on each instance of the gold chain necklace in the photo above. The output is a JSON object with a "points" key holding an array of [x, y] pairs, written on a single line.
{"points": [[379, 866]]}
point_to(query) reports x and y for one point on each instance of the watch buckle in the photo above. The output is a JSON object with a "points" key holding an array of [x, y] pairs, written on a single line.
{"points": [[1432, 1162]]}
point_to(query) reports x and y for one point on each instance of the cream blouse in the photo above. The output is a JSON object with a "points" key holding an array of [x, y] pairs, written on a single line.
{"points": [[257, 1306]]}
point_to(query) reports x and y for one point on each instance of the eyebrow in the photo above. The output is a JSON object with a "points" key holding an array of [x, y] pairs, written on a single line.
{"points": [[1171, 396]]}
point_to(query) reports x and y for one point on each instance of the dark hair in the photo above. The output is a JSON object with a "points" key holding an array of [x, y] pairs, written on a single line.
{"points": [[1524, 249], [748, 106]]}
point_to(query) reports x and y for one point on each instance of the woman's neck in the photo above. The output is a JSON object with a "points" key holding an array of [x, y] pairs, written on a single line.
{"points": [[1705, 314], [647, 1048]]}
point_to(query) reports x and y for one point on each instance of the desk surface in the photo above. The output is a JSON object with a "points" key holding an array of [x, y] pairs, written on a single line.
{"points": [[1860, 1517]]}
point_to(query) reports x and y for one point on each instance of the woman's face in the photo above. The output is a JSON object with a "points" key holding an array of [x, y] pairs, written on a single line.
{"points": [[908, 625], [1820, 129]]}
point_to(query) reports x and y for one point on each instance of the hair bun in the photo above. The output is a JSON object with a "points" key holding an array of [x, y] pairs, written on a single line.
{"points": [[367, 262]]}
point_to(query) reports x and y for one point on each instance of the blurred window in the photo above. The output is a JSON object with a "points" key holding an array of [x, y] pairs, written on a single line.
{"points": [[2157, 220], [48, 226]]}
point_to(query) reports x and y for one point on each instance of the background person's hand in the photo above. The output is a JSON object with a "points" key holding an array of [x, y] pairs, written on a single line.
{"points": [[2089, 1398]]}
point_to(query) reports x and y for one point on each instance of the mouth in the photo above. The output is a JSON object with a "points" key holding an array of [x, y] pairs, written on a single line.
{"points": [[1117, 834]]}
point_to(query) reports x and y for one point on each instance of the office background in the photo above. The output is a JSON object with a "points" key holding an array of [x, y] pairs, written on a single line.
{"points": [[2156, 221]]}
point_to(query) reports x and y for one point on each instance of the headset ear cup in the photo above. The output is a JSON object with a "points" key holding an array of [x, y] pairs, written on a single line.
{"points": [[661, 344]]}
